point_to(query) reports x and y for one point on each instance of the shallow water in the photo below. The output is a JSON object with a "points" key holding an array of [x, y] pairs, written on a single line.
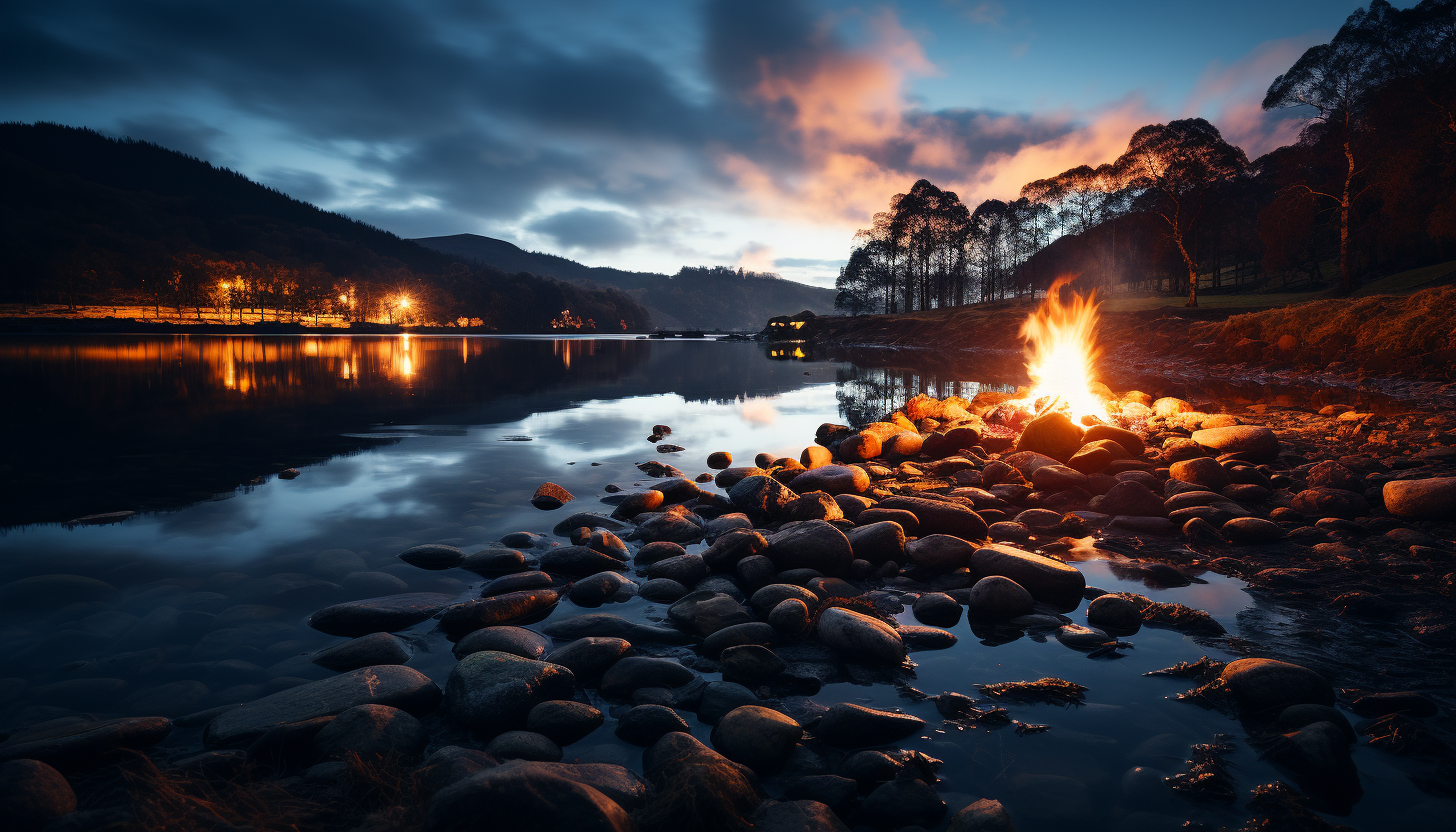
{"points": [[411, 440]]}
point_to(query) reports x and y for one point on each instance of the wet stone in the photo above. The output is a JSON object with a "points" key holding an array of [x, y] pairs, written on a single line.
{"points": [[365, 651], [392, 685], [905, 801], [860, 638], [376, 615], [564, 721], [855, 726], [634, 672], [524, 798], [937, 609], [518, 641], [643, 725], [32, 794], [492, 692], [433, 556], [372, 731]]}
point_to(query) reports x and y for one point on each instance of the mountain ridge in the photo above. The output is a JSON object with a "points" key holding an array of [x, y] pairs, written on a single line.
{"points": [[702, 300]]}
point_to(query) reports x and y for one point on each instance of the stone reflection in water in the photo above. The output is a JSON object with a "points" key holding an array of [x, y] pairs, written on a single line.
{"points": [[866, 394]]}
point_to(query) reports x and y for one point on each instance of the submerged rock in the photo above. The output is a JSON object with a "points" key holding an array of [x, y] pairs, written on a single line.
{"points": [[612, 626]]}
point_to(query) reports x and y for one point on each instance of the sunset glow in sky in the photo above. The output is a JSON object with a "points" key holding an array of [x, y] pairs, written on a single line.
{"points": [[649, 134]]}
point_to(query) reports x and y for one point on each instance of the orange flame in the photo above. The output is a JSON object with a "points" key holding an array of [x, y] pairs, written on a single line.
{"points": [[1061, 353]]}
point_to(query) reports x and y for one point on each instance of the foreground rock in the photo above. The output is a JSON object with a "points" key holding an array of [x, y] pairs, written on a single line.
{"points": [[32, 794], [392, 685], [1267, 686], [694, 782], [379, 615], [758, 737], [365, 651], [1427, 499], [524, 797], [860, 638], [1256, 444], [80, 741], [1048, 580], [492, 692], [855, 726]]}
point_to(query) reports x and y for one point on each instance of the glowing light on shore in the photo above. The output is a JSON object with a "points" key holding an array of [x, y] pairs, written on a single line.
{"points": [[1061, 354]]}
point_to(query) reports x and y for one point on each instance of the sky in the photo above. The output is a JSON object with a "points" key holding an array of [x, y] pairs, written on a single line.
{"points": [[651, 134]]}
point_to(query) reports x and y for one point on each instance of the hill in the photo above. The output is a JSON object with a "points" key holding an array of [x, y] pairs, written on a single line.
{"points": [[693, 298], [87, 219]]}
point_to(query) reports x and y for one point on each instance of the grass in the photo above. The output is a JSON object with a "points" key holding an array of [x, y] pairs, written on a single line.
{"points": [[1395, 284]]}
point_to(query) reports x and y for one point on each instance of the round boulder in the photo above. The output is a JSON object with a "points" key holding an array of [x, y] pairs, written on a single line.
{"points": [[860, 638], [1269, 685], [758, 737], [997, 598]]}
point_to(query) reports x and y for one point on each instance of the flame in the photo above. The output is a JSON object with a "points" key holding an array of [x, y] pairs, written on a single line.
{"points": [[1061, 353]]}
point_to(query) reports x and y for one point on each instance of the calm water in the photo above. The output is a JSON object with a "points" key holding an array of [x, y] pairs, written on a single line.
{"points": [[411, 440]]}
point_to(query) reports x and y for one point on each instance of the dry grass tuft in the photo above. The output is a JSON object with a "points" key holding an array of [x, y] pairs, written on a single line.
{"points": [[1049, 690], [1208, 778]]}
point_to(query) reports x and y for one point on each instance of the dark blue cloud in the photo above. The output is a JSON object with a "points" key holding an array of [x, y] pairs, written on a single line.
{"points": [[588, 229]]}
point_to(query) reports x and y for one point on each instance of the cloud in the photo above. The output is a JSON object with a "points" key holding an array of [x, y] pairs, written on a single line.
{"points": [[1230, 95], [181, 133], [305, 185], [756, 257], [587, 228]]}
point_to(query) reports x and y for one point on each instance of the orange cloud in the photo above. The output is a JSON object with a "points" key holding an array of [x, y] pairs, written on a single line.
{"points": [[859, 140]]}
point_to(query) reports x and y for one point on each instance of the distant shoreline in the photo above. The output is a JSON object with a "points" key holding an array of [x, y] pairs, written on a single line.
{"points": [[41, 325]]}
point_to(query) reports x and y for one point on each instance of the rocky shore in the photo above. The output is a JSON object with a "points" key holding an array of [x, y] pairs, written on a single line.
{"points": [[784, 578]]}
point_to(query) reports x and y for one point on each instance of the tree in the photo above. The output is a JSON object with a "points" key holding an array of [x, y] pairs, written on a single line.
{"points": [[1335, 80], [1173, 169]]}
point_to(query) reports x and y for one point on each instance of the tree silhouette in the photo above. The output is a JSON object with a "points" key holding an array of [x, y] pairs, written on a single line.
{"points": [[1335, 80], [1173, 168]]}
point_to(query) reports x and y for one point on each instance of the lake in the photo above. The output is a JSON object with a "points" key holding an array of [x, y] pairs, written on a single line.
{"points": [[202, 594]]}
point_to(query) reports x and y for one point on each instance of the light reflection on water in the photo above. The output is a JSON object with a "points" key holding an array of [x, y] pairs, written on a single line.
{"points": [[444, 474]]}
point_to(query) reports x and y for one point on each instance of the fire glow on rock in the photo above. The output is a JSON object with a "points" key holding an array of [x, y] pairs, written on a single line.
{"points": [[1061, 354]]}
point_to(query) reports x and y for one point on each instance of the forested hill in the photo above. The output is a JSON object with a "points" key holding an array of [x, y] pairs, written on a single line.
{"points": [[87, 219], [706, 298]]}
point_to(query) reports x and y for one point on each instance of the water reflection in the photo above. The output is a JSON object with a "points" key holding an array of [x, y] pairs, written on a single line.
{"points": [[866, 394], [107, 423]]}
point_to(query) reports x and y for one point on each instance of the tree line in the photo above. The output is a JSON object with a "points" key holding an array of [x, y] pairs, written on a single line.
{"points": [[1369, 187]]}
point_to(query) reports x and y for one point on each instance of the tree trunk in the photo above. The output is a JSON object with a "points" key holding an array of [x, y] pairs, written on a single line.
{"points": [[1347, 281]]}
